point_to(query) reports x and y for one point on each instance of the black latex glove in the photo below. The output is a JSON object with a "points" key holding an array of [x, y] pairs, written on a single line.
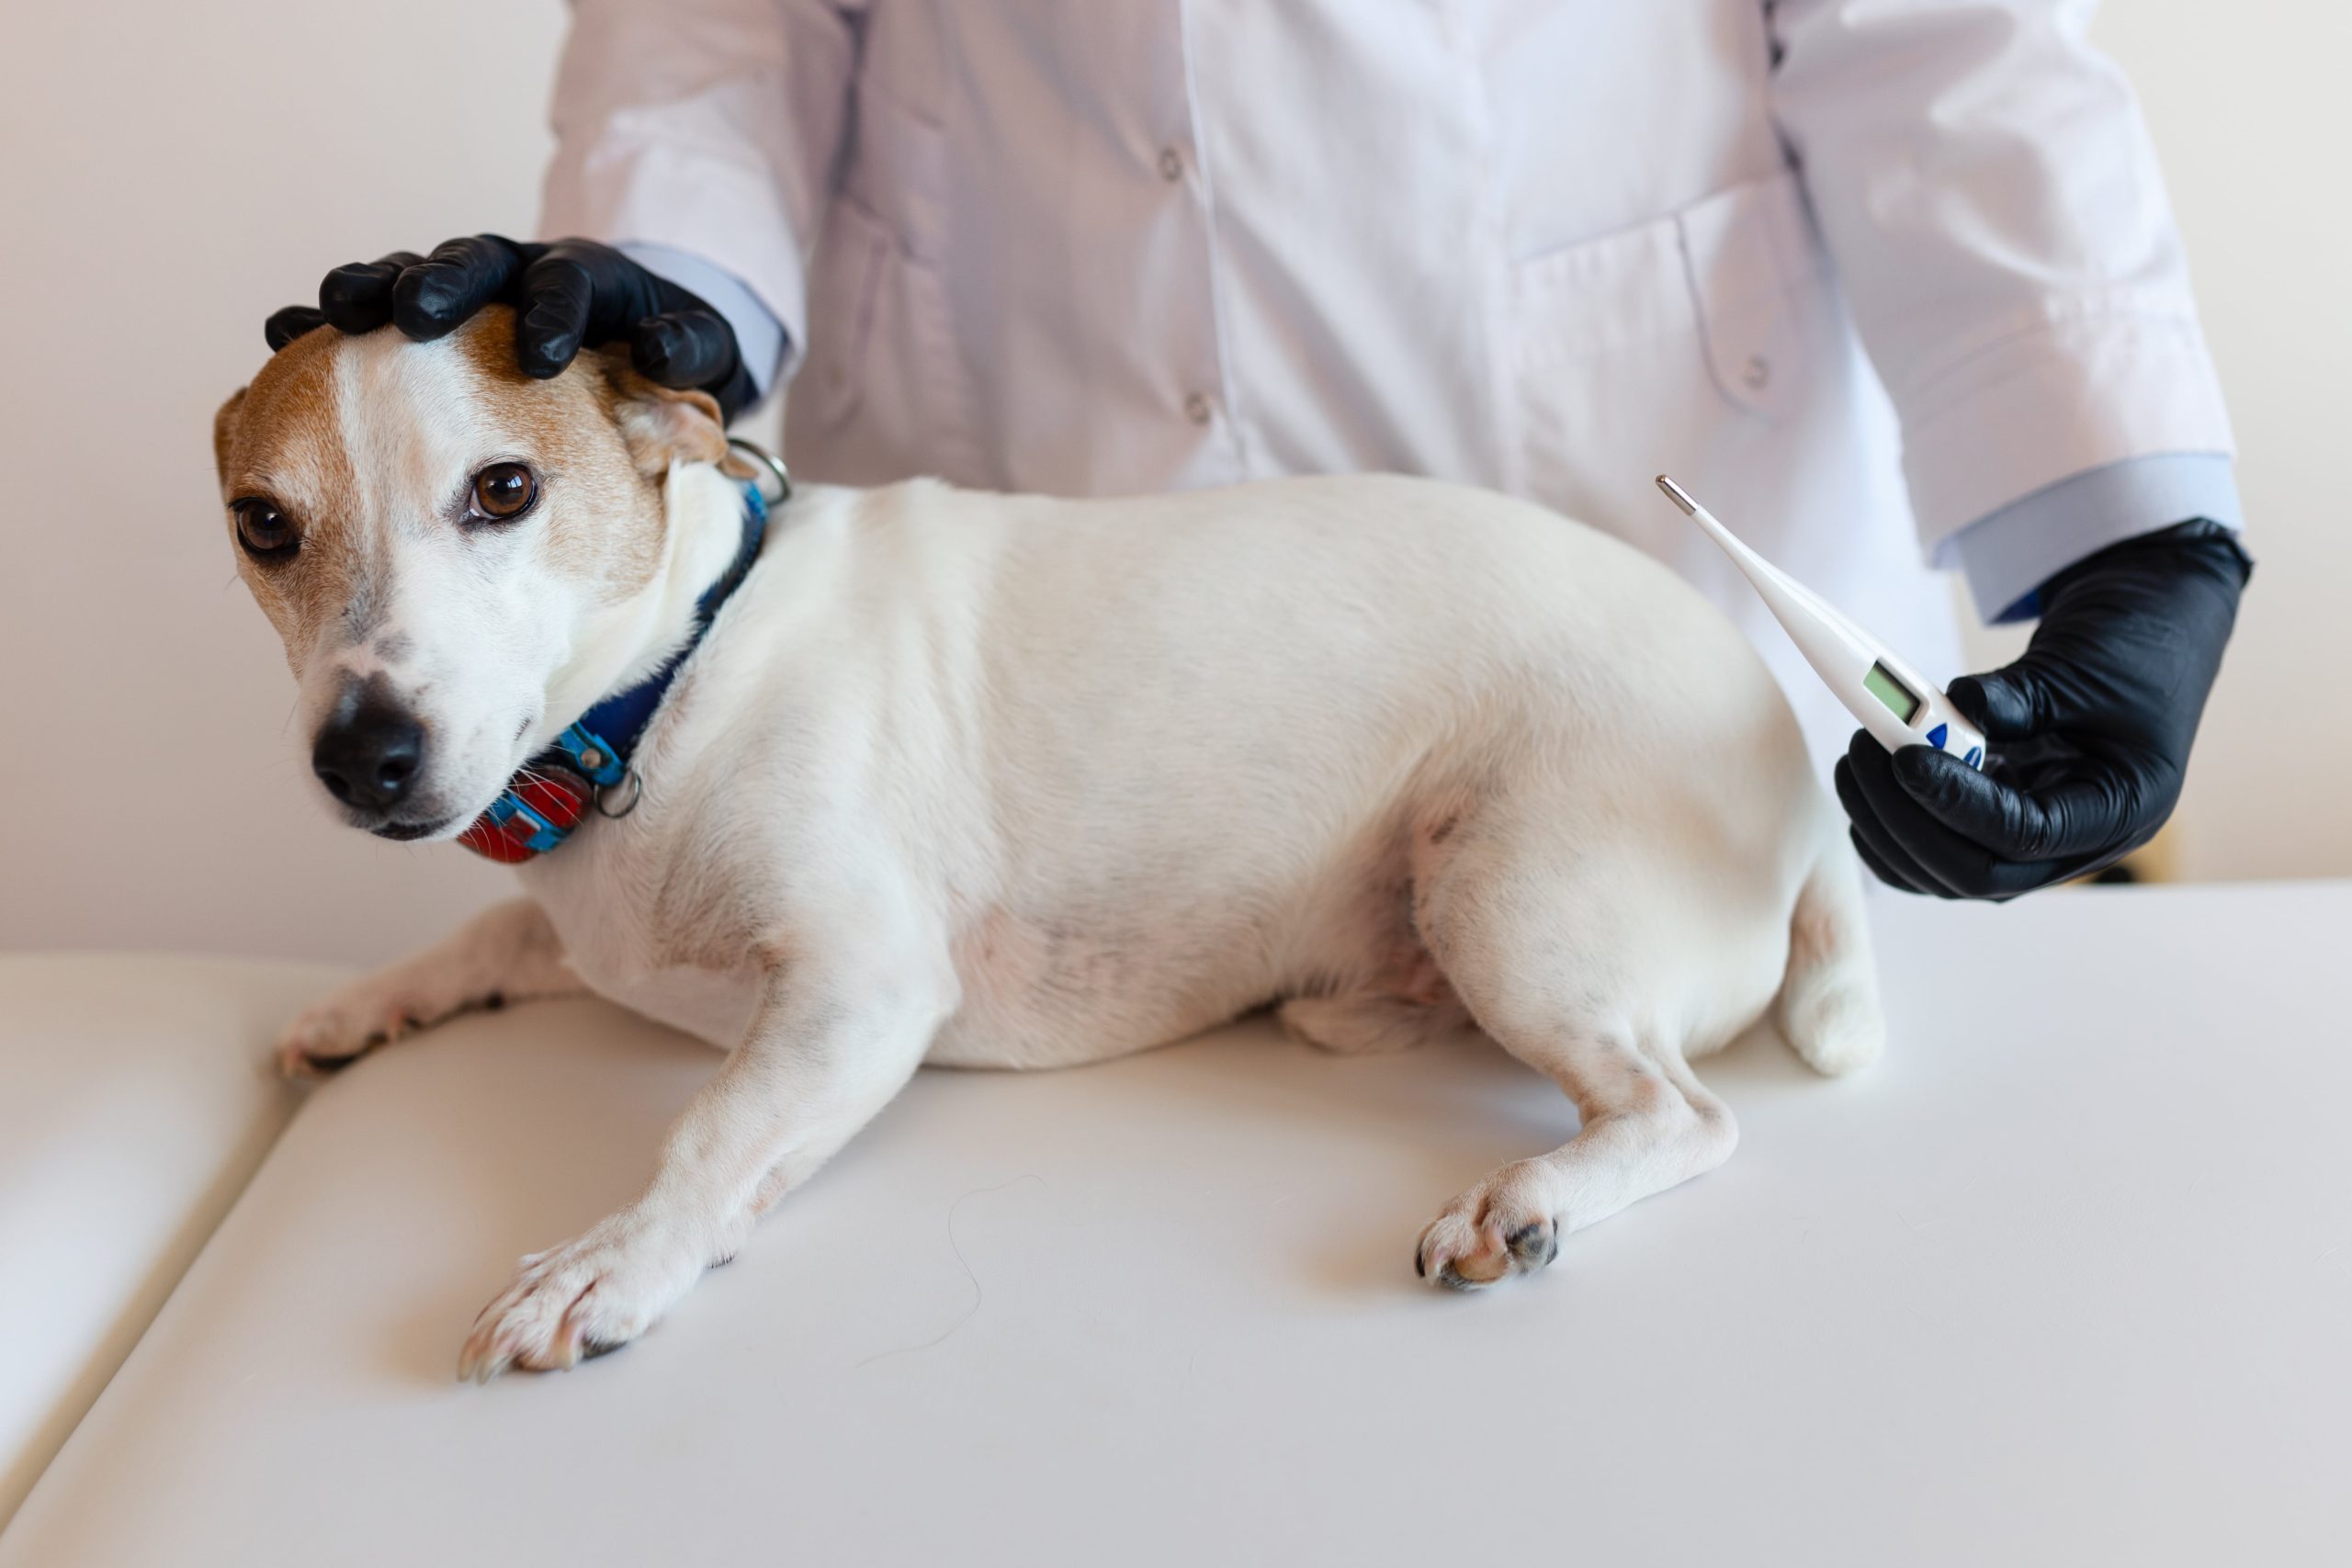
{"points": [[568, 294], [2087, 733]]}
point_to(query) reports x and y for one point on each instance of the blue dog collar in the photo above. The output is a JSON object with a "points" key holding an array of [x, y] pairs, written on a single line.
{"points": [[588, 763]]}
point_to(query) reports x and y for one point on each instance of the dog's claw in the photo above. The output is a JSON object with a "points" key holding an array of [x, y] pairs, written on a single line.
{"points": [[482, 1358], [476, 1365]]}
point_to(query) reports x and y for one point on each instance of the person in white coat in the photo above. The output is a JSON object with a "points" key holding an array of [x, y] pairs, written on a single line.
{"points": [[1893, 282]]}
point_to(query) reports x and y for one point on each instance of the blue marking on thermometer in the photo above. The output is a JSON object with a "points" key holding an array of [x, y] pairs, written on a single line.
{"points": [[1878, 688]]}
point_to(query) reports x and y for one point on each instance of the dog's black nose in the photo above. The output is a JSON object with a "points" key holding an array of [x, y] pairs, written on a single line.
{"points": [[368, 753]]}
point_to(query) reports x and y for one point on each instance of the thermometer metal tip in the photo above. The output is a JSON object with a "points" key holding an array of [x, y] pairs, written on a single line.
{"points": [[1674, 492]]}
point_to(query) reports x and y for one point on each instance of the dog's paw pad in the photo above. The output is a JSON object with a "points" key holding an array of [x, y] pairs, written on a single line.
{"points": [[1494, 1230], [1533, 1245]]}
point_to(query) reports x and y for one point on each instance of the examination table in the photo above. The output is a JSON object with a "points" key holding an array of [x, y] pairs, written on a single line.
{"points": [[2065, 1279]]}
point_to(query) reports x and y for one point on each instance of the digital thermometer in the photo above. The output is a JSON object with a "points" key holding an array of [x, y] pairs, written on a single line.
{"points": [[1896, 706]]}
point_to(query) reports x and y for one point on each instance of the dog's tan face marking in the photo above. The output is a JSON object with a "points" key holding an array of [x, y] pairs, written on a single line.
{"points": [[278, 440], [570, 423], [472, 625]]}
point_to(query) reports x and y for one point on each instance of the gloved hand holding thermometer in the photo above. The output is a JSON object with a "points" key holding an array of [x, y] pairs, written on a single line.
{"points": [[2088, 732]]}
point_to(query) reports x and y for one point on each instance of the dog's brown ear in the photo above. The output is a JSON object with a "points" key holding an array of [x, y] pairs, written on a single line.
{"points": [[224, 431], [665, 424]]}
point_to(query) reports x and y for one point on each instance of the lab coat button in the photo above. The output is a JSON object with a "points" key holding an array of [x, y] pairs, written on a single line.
{"points": [[1172, 164], [1197, 410], [1759, 371]]}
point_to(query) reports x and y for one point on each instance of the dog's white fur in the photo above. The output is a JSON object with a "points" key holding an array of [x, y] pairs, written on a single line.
{"points": [[1004, 781]]}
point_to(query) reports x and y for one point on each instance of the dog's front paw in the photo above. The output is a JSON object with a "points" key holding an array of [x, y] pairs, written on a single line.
{"points": [[588, 1296], [350, 1023], [1500, 1227]]}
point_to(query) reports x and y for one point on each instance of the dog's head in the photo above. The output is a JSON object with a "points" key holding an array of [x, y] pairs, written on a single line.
{"points": [[458, 558]]}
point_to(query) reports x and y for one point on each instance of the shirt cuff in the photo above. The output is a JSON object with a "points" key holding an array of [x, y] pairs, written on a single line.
{"points": [[759, 337], [2008, 555]]}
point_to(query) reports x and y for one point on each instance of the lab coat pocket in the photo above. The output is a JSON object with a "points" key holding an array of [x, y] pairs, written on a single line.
{"points": [[1688, 334], [850, 256], [1749, 261], [884, 396]]}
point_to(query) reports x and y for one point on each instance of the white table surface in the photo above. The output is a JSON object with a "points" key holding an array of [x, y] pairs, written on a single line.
{"points": [[2066, 1279], [136, 1101]]}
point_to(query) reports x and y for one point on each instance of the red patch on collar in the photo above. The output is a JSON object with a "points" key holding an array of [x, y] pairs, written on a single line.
{"points": [[538, 809]]}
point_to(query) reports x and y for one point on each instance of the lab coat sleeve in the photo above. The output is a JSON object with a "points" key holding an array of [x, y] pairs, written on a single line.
{"points": [[1990, 198], [2007, 557], [759, 337], [708, 128]]}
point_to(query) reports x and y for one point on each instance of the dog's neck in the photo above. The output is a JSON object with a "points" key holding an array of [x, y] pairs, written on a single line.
{"points": [[628, 642]]}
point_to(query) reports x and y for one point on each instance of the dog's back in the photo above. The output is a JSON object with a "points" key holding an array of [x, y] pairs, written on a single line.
{"points": [[1162, 759]]}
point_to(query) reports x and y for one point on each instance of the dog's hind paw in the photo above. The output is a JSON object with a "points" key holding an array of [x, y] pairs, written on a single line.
{"points": [[1497, 1229]]}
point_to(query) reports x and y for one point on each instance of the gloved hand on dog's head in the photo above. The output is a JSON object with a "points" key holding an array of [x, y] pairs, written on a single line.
{"points": [[2088, 732], [568, 295]]}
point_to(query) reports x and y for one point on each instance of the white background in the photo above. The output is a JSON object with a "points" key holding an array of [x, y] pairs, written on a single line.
{"points": [[170, 174]]}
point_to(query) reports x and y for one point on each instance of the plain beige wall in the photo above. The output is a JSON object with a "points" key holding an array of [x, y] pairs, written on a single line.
{"points": [[167, 180], [2247, 103]]}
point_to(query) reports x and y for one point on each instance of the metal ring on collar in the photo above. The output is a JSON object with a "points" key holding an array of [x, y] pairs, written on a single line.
{"points": [[773, 464], [629, 782]]}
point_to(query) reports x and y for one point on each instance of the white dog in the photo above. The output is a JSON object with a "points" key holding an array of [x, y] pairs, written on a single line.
{"points": [[1004, 781]]}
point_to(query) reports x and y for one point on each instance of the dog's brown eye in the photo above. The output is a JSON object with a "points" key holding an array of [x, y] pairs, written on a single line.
{"points": [[263, 531], [504, 490]]}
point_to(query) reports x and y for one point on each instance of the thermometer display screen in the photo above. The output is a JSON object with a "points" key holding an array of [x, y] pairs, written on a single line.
{"points": [[1897, 697]]}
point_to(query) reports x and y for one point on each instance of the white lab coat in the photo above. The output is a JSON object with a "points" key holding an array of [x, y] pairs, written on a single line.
{"points": [[1095, 246]]}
